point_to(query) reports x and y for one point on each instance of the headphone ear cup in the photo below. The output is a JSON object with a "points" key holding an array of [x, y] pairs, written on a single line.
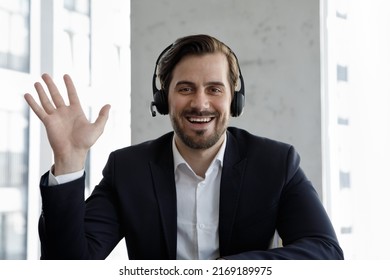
{"points": [[237, 105], [238, 101], [161, 102]]}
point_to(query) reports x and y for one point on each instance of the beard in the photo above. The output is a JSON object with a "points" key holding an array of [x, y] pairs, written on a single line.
{"points": [[200, 141]]}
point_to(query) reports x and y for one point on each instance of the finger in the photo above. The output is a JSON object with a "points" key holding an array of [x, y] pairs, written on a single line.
{"points": [[72, 93], [54, 92], [103, 117], [41, 114], [45, 101]]}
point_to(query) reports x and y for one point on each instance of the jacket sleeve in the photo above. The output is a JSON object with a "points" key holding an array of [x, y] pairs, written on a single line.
{"points": [[70, 228], [302, 222]]}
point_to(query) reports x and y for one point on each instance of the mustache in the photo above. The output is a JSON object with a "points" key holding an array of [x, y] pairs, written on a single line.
{"points": [[198, 113]]}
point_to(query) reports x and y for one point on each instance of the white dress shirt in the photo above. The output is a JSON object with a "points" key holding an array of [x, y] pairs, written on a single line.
{"points": [[197, 208], [197, 205]]}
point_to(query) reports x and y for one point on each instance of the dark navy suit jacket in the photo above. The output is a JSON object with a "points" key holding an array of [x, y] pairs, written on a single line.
{"points": [[263, 189]]}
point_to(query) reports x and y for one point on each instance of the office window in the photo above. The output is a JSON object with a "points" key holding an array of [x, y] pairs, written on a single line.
{"points": [[13, 182], [356, 64], [15, 35], [77, 39], [70, 48]]}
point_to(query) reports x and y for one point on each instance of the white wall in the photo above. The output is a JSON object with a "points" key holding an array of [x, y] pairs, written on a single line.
{"points": [[278, 45]]}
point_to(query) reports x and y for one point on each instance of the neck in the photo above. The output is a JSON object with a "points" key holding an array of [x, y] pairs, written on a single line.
{"points": [[198, 159]]}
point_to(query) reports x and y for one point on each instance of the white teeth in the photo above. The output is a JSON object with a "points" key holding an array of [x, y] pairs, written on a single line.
{"points": [[200, 120]]}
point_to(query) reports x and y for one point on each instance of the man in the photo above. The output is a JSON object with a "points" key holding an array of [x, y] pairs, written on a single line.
{"points": [[203, 191]]}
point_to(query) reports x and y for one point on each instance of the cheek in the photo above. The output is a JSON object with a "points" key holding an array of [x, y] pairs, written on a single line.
{"points": [[225, 105], [170, 106], [175, 104], [171, 103]]}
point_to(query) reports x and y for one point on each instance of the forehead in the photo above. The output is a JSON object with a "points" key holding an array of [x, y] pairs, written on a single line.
{"points": [[214, 66]]}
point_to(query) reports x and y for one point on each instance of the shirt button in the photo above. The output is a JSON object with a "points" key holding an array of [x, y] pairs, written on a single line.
{"points": [[201, 226]]}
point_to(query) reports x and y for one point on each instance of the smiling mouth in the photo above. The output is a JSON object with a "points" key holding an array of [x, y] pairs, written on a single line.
{"points": [[199, 120]]}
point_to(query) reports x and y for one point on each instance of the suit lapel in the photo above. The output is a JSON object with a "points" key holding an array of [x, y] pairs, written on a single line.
{"points": [[232, 174], [165, 190]]}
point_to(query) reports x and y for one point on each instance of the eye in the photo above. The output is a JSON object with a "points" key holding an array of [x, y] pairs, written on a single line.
{"points": [[185, 90], [215, 90]]}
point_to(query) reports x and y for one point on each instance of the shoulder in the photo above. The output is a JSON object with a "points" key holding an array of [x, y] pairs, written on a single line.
{"points": [[263, 154], [260, 150], [248, 141]]}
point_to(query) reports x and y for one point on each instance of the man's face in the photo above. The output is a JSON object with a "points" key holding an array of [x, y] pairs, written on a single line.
{"points": [[199, 99]]}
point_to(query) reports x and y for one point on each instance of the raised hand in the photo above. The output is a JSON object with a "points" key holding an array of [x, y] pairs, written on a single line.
{"points": [[70, 133]]}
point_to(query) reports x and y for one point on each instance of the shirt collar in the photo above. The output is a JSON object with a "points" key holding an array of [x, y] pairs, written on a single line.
{"points": [[178, 159]]}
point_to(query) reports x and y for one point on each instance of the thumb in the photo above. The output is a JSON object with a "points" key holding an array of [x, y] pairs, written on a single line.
{"points": [[103, 117]]}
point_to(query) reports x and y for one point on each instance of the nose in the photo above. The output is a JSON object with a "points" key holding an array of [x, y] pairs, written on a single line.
{"points": [[200, 100]]}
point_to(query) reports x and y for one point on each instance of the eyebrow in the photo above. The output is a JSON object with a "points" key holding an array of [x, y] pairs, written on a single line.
{"points": [[184, 82]]}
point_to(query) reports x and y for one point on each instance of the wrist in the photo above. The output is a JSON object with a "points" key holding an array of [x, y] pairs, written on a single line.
{"points": [[68, 164]]}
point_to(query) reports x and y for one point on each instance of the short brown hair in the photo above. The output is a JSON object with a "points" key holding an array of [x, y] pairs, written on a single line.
{"points": [[195, 45]]}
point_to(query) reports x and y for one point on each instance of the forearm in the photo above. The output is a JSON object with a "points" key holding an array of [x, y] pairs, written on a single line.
{"points": [[311, 248], [71, 228], [62, 220]]}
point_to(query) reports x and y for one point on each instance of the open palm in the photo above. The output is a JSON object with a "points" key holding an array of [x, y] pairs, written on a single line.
{"points": [[70, 133]]}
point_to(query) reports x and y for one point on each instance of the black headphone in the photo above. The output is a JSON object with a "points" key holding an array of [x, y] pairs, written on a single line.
{"points": [[160, 97]]}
